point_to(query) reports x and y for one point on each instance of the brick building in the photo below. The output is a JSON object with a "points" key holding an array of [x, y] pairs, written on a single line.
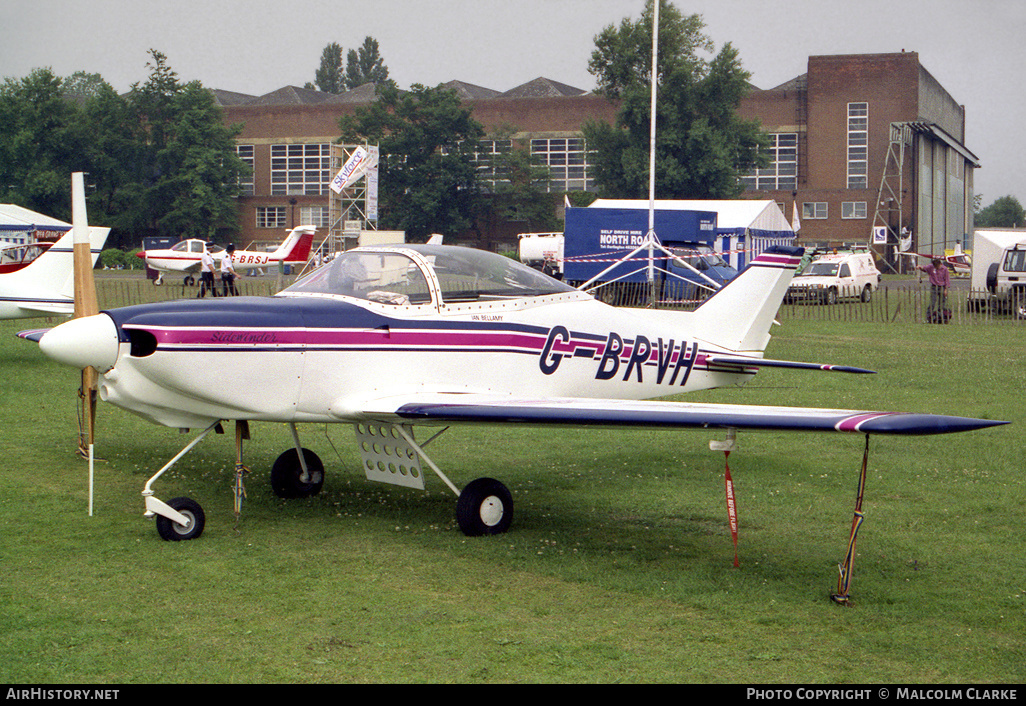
{"points": [[834, 156], [867, 141]]}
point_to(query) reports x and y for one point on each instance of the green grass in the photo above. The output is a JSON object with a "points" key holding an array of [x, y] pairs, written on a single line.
{"points": [[618, 567]]}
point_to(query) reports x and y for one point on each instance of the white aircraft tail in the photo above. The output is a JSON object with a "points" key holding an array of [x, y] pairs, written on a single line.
{"points": [[296, 247], [739, 315], [53, 271]]}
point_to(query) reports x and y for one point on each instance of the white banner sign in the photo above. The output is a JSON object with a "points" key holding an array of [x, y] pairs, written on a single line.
{"points": [[352, 170]]}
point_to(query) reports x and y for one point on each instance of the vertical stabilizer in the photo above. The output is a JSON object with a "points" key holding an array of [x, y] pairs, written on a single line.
{"points": [[739, 316]]}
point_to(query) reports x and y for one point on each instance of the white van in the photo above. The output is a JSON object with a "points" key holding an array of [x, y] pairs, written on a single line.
{"points": [[830, 277]]}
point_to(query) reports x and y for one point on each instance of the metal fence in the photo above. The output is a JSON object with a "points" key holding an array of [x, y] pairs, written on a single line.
{"points": [[890, 303], [901, 304]]}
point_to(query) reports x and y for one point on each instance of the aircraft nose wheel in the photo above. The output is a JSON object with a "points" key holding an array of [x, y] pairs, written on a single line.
{"points": [[484, 507], [171, 531]]}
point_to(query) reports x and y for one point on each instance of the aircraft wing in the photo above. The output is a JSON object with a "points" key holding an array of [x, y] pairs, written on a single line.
{"points": [[450, 408]]}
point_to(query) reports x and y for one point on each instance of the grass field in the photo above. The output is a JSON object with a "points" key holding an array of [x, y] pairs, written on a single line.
{"points": [[619, 566]]}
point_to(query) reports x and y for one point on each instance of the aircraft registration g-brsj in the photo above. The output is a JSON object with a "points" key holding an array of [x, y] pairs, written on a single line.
{"points": [[388, 338], [185, 256]]}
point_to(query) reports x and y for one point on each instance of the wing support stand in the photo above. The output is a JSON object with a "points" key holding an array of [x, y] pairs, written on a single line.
{"points": [[726, 446], [844, 569]]}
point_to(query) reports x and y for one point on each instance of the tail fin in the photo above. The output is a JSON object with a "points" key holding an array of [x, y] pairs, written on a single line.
{"points": [[53, 271], [296, 247], [739, 316]]}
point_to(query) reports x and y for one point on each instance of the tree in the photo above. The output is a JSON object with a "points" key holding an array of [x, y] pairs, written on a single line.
{"points": [[702, 146], [362, 66], [199, 169], [330, 77], [42, 140], [365, 65], [427, 174], [1005, 212]]}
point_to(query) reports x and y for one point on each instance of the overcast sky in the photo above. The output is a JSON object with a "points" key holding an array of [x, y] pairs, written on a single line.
{"points": [[974, 48]]}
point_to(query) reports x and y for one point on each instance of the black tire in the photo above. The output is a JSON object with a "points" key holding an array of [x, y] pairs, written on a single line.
{"points": [[171, 531], [867, 294], [484, 507], [286, 475], [992, 276]]}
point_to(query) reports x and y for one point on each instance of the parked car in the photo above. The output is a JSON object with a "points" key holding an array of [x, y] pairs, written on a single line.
{"points": [[833, 276]]}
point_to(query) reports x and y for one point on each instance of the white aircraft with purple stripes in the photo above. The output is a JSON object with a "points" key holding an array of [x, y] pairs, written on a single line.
{"points": [[388, 338]]}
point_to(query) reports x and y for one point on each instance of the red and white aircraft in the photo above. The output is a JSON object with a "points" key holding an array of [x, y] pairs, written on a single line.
{"points": [[958, 261], [185, 256], [37, 279]]}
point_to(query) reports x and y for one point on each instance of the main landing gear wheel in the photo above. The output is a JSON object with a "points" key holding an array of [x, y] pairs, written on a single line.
{"points": [[287, 475], [484, 507], [172, 531]]}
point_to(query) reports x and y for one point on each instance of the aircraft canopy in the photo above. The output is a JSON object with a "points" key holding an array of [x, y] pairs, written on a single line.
{"points": [[409, 274]]}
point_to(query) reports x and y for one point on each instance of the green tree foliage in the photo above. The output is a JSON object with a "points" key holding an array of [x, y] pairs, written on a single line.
{"points": [[365, 65], [702, 145], [427, 139], [42, 140], [330, 77], [158, 161], [1005, 212]]}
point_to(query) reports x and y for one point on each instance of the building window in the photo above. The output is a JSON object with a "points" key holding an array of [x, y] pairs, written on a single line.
{"points": [[300, 170], [812, 210], [782, 171], [858, 145], [853, 209], [566, 158], [245, 153], [270, 217], [315, 216], [488, 173]]}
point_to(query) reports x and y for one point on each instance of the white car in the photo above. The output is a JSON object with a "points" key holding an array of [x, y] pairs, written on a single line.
{"points": [[835, 275]]}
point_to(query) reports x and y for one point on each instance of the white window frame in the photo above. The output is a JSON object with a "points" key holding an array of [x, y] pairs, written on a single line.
{"points": [[815, 210], [319, 216], [782, 172], [852, 210], [301, 169], [246, 183], [858, 145], [271, 217], [567, 160]]}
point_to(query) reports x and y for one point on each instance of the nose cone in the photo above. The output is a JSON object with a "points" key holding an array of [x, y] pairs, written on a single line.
{"points": [[80, 343]]}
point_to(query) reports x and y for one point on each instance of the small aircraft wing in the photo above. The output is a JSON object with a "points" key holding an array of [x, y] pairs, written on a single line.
{"points": [[450, 408]]}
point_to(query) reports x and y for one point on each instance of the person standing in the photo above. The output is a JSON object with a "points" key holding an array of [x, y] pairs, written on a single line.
{"points": [[207, 272], [940, 280], [228, 272]]}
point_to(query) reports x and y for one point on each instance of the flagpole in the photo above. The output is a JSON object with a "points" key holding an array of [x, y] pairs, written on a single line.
{"points": [[652, 151]]}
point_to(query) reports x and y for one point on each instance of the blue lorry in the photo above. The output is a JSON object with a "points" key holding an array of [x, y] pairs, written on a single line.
{"points": [[595, 238]]}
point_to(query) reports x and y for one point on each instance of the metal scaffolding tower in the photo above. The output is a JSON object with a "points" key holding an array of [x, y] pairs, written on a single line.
{"points": [[890, 199], [354, 209]]}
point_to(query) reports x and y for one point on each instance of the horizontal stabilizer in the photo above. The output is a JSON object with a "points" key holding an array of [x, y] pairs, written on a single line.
{"points": [[733, 361]]}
